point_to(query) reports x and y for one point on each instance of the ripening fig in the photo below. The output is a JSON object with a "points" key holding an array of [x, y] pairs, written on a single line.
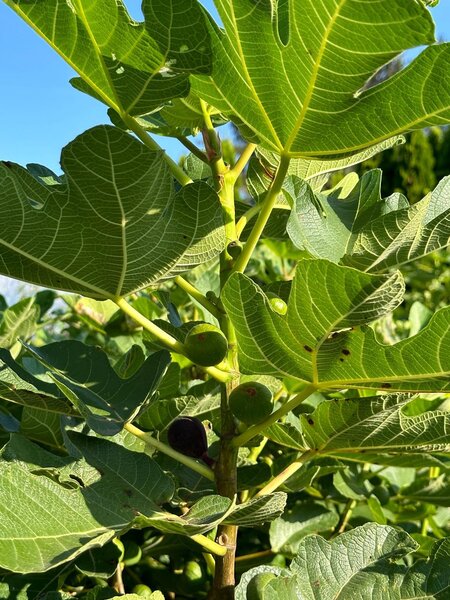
{"points": [[251, 402], [206, 345], [187, 435], [277, 304]]}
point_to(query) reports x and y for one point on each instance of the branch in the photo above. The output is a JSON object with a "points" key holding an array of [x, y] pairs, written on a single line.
{"points": [[284, 475], [165, 338], [242, 161], [192, 148]]}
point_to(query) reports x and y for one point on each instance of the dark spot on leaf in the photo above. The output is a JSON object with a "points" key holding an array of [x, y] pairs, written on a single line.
{"points": [[345, 351], [386, 385], [310, 421], [128, 493], [308, 348], [126, 506], [341, 359]]}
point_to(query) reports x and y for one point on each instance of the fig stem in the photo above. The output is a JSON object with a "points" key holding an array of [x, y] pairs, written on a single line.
{"points": [[164, 337], [284, 475], [263, 217], [246, 217], [242, 161], [210, 545], [197, 295], [200, 468], [251, 432], [148, 141], [192, 148], [170, 342]]}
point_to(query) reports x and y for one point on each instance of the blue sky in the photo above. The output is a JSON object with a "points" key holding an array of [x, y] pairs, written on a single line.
{"points": [[40, 112]]}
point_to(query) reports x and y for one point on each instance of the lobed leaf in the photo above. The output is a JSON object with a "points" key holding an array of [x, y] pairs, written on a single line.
{"points": [[115, 227], [305, 100], [202, 517], [53, 508], [132, 67], [258, 510], [375, 425], [357, 228], [317, 341], [85, 376]]}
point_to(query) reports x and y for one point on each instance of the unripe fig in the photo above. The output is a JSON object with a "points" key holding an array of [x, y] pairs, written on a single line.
{"points": [[277, 304], [255, 588], [251, 402], [142, 590], [187, 435], [206, 345], [193, 575], [234, 249]]}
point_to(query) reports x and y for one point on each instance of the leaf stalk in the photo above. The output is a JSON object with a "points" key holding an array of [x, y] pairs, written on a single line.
{"points": [[264, 215], [254, 430]]}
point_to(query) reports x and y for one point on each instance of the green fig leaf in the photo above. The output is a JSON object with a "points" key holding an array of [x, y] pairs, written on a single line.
{"points": [[132, 67], [53, 508], [306, 97], [85, 376], [322, 338], [136, 229]]}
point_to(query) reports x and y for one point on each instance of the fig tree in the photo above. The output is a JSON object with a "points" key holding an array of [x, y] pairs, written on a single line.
{"points": [[251, 402], [206, 345]]}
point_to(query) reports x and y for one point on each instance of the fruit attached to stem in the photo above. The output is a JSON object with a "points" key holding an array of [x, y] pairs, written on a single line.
{"points": [[251, 402], [206, 345]]}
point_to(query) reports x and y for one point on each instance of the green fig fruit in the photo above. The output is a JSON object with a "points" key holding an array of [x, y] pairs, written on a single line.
{"points": [[256, 585], [277, 304], [193, 575], [142, 590], [234, 249], [206, 345], [251, 402]]}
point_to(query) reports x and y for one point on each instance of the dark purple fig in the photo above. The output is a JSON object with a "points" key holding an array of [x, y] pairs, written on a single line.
{"points": [[187, 435]]}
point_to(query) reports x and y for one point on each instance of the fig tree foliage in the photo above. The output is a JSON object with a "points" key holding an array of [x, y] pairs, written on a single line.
{"points": [[229, 342]]}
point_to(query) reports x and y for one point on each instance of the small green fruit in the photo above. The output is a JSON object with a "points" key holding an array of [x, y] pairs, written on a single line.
{"points": [[251, 402], [142, 590], [193, 575], [234, 249], [255, 588], [206, 345], [277, 304]]}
